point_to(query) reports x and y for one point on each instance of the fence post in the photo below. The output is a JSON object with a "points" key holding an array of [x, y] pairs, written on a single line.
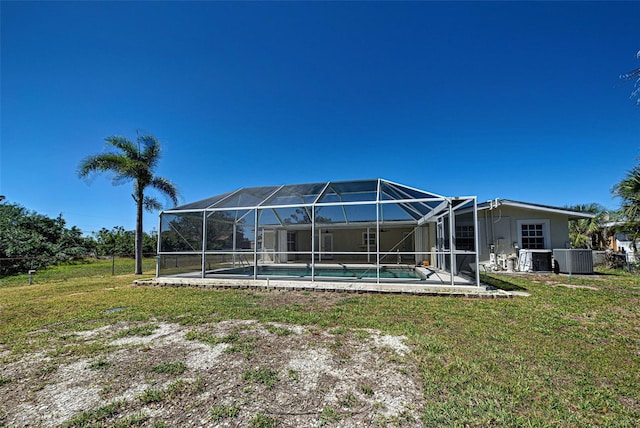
{"points": [[113, 264]]}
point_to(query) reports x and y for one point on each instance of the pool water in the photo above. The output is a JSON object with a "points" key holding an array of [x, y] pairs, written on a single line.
{"points": [[334, 272]]}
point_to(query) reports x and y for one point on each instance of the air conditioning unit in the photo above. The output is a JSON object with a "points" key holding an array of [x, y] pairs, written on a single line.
{"points": [[575, 260], [534, 261]]}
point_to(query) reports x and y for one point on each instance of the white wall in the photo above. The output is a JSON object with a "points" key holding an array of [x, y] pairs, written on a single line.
{"points": [[500, 227]]}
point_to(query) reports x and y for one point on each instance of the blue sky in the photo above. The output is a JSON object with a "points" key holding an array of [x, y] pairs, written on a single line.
{"points": [[495, 99]]}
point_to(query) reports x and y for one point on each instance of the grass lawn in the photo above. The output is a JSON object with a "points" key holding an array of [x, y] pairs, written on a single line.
{"points": [[567, 355]]}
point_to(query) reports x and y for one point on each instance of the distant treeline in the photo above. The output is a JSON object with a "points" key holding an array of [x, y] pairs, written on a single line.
{"points": [[29, 240]]}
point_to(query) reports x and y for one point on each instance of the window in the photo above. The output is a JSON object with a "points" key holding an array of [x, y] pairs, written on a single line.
{"points": [[369, 239], [533, 234], [465, 237]]}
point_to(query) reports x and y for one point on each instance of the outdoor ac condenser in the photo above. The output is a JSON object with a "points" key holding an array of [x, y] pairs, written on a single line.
{"points": [[574, 261], [534, 261]]}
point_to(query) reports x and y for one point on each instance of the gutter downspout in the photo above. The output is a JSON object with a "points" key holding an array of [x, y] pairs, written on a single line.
{"points": [[493, 231]]}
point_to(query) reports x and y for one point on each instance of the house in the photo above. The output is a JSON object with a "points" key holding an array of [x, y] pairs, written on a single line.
{"points": [[505, 227], [621, 241], [373, 229]]}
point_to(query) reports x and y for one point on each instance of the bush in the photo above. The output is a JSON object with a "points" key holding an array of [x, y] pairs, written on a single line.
{"points": [[29, 240]]}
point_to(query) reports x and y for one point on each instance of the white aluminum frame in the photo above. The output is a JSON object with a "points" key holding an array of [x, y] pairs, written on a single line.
{"points": [[444, 210]]}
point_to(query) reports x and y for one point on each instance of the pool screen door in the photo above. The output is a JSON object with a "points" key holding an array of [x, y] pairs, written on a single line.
{"points": [[326, 246]]}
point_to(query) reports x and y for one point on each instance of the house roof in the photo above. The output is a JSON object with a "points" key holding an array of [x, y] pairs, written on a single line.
{"points": [[495, 203]]}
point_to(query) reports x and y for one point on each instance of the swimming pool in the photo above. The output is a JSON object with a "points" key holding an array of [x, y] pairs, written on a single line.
{"points": [[330, 272]]}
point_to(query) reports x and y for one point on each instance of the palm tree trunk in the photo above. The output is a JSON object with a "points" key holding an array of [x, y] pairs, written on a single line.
{"points": [[139, 214]]}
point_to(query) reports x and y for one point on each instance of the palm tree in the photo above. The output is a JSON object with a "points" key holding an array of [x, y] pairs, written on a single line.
{"points": [[629, 191], [634, 75], [131, 163], [589, 232]]}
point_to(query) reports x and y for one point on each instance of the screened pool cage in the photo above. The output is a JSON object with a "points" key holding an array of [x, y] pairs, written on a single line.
{"points": [[366, 230]]}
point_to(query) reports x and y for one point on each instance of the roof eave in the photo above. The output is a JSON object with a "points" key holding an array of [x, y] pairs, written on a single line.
{"points": [[572, 215]]}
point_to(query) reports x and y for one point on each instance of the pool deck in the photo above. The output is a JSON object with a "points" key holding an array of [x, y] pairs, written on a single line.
{"points": [[431, 287]]}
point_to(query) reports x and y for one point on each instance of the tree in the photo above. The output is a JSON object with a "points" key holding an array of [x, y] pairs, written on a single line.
{"points": [[29, 240], [115, 242], [129, 163], [150, 242], [120, 242], [589, 232], [634, 75], [629, 191]]}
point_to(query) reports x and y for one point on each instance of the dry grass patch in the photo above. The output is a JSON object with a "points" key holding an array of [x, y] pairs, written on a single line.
{"points": [[297, 376]]}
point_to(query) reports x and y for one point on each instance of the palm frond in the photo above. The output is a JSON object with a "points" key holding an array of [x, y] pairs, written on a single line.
{"points": [[629, 187], [150, 156], [119, 179], [633, 74], [166, 187], [126, 146], [151, 204], [106, 162]]}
